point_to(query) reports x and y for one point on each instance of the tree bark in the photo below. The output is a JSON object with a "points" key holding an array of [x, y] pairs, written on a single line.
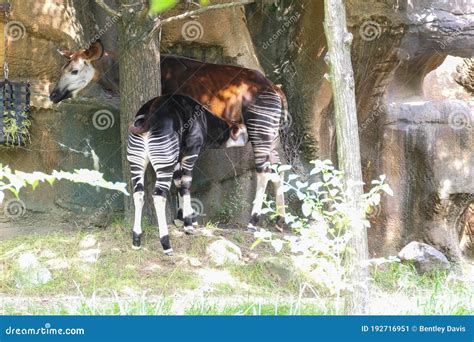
{"points": [[348, 148], [139, 82]]}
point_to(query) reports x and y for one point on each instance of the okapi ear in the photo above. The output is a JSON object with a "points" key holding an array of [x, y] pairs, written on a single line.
{"points": [[67, 54], [95, 51]]}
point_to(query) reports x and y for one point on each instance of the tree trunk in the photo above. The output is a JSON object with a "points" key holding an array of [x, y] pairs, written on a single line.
{"points": [[348, 148], [139, 82]]}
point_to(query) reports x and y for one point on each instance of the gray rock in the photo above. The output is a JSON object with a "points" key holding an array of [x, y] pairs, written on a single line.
{"points": [[89, 255], [424, 257], [223, 251], [194, 262], [88, 241], [30, 272], [57, 263]]}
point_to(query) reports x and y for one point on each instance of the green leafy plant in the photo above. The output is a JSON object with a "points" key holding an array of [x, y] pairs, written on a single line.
{"points": [[320, 243], [14, 181], [159, 6], [12, 131]]}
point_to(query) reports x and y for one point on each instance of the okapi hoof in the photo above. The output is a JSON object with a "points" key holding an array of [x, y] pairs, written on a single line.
{"points": [[168, 252], [136, 241], [189, 230], [280, 223]]}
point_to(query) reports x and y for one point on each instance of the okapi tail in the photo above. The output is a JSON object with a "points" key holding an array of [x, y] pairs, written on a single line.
{"points": [[139, 125], [143, 120], [284, 104]]}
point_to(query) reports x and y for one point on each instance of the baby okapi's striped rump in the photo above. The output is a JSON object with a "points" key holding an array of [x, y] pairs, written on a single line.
{"points": [[170, 132]]}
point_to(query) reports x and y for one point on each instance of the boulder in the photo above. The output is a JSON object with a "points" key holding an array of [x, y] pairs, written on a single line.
{"points": [[88, 241], [194, 262], [30, 272], [57, 263], [89, 255], [223, 251], [424, 257]]}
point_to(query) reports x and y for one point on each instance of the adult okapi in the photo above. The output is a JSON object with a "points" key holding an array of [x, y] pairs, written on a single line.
{"points": [[245, 100]]}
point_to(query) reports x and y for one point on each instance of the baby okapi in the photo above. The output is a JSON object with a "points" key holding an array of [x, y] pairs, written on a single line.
{"points": [[170, 131]]}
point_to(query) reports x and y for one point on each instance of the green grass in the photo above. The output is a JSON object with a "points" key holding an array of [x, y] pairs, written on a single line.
{"points": [[124, 281], [437, 293], [119, 306]]}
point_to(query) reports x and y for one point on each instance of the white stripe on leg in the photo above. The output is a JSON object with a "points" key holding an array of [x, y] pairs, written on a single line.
{"points": [[280, 201], [138, 201], [187, 213], [160, 207], [262, 180]]}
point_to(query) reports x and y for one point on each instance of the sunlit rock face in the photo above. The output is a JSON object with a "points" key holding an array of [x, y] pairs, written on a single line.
{"points": [[415, 116], [417, 120], [63, 137]]}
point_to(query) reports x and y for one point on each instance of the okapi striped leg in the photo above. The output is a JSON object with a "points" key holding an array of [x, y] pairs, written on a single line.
{"points": [[138, 202], [163, 184], [262, 180], [163, 153], [280, 201], [179, 221], [177, 182], [160, 207], [263, 122], [187, 165], [137, 156]]}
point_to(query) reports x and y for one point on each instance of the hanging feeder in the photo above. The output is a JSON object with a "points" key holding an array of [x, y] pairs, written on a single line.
{"points": [[14, 103]]}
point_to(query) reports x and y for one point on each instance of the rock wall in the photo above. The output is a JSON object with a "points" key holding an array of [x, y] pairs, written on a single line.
{"points": [[415, 121], [63, 137]]}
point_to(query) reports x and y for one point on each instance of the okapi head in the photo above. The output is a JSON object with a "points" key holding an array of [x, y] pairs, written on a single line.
{"points": [[78, 71]]}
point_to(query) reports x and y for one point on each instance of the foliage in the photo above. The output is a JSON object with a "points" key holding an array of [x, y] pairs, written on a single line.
{"points": [[15, 181], [12, 131], [322, 235], [235, 203], [159, 6]]}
